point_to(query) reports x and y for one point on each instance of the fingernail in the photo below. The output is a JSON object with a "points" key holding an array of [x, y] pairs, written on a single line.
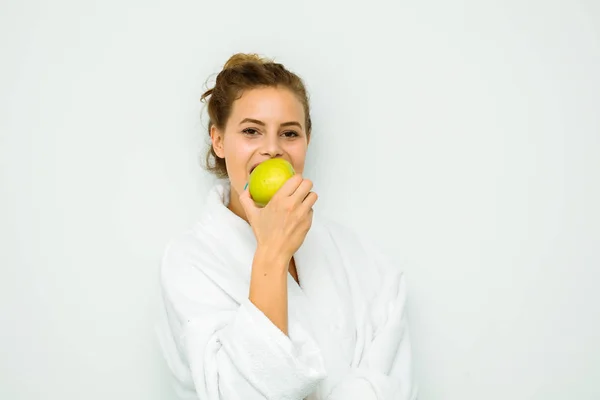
{"points": [[246, 186]]}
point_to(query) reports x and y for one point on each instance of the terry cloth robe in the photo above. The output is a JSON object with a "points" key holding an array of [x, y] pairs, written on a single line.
{"points": [[348, 334]]}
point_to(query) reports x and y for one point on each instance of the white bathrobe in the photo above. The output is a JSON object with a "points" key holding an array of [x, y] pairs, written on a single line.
{"points": [[348, 334]]}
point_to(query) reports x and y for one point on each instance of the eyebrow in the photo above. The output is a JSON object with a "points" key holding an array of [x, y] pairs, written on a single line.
{"points": [[255, 121]]}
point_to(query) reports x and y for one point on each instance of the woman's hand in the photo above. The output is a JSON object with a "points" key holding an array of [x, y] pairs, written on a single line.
{"points": [[280, 229], [281, 226]]}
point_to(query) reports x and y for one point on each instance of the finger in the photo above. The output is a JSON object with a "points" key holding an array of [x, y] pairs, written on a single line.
{"points": [[248, 204], [309, 218], [308, 203], [289, 187], [302, 191]]}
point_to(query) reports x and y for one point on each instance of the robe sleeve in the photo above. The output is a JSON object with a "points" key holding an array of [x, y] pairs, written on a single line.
{"points": [[230, 349], [385, 368]]}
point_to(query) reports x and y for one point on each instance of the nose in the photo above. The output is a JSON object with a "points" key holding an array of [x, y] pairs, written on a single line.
{"points": [[271, 147]]}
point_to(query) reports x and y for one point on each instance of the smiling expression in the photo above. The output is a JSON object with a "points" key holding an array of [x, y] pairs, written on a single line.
{"points": [[264, 123]]}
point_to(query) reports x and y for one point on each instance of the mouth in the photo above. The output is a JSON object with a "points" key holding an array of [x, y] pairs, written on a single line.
{"points": [[253, 167]]}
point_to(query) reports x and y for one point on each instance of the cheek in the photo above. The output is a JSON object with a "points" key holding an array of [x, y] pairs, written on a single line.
{"points": [[298, 156], [235, 149], [238, 153]]}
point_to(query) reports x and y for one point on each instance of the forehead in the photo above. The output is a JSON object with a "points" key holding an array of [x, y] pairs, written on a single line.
{"points": [[270, 104]]}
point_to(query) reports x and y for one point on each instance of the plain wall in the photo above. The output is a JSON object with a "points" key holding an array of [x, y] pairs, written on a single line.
{"points": [[463, 136]]}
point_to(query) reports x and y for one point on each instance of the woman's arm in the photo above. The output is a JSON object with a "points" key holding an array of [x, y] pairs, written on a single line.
{"points": [[280, 228], [218, 344], [268, 287], [234, 338]]}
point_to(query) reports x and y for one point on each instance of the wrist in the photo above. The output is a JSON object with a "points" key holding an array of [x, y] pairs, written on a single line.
{"points": [[270, 257]]}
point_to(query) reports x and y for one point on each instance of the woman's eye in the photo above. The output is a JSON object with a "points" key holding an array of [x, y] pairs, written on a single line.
{"points": [[253, 132], [249, 131]]}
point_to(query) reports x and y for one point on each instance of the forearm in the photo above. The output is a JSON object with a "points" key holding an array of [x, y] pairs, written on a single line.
{"points": [[268, 286]]}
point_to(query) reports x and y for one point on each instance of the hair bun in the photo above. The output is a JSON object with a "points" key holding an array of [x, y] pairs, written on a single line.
{"points": [[244, 58]]}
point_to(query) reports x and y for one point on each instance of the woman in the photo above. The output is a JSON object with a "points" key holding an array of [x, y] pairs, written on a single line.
{"points": [[273, 302]]}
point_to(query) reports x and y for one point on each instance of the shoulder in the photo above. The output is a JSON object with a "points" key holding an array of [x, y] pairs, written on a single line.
{"points": [[184, 247], [194, 279], [180, 254], [186, 258]]}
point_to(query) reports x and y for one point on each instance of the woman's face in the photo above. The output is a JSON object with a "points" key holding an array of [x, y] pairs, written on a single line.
{"points": [[264, 123]]}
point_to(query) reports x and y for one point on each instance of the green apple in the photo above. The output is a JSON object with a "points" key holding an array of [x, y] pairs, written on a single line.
{"points": [[267, 178]]}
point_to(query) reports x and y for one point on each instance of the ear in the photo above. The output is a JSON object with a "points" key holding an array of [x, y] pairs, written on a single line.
{"points": [[216, 137]]}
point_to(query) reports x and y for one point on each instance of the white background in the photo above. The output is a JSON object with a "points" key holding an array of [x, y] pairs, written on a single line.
{"points": [[464, 136]]}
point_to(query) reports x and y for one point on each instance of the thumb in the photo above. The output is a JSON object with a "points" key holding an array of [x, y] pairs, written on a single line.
{"points": [[247, 203]]}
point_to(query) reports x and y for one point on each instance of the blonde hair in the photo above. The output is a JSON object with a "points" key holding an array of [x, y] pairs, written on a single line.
{"points": [[243, 72]]}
